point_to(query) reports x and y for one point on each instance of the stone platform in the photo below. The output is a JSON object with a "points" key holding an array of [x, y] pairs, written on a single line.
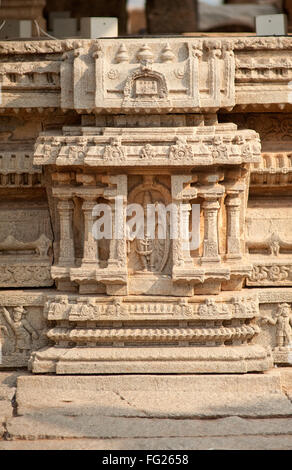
{"points": [[252, 411]]}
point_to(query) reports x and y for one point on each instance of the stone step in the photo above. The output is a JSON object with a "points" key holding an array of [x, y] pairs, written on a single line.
{"points": [[52, 426], [189, 396]]}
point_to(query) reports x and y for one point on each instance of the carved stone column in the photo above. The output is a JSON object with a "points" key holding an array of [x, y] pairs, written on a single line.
{"points": [[232, 203], [182, 194], [118, 247], [184, 218], [210, 247], [90, 248], [67, 255]]}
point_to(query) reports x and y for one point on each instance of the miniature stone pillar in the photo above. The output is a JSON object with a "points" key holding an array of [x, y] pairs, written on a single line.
{"points": [[232, 203], [210, 248], [67, 255], [90, 249], [184, 218], [182, 194], [118, 246], [214, 70], [118, 203], [197, 54]]}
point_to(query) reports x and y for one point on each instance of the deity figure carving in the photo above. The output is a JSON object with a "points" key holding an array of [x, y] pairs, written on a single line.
{"points": [[21, 328], [283, 323], [151, 251]]}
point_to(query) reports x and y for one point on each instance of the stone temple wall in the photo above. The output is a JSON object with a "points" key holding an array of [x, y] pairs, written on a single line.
{"points": [[172, 121]]}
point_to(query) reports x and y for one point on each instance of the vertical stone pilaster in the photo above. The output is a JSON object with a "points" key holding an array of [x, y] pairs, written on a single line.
{"points": [[184, 215], [90, 248], [210, 247], [214, 71], [197, 54], [182, 194], [118, 248], [67, 252], [232, 203]]}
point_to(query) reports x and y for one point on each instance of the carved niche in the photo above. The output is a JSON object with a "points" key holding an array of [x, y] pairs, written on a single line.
{"points": [[145, 85], [150, 254]]}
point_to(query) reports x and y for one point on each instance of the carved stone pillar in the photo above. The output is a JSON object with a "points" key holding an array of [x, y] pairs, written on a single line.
{"points": [[210, 247], [90, 248], [118, 244], [182, 194], [232, 203], [184, 217], [67, 255]]}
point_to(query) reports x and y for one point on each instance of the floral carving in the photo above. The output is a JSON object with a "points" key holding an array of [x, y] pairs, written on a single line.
{"points": [[113, 74], [272, 273], [20, 275], [181, 150]]}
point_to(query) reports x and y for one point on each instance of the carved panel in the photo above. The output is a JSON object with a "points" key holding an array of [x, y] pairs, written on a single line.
{"points": [[25, 247], [23, 327], [184, 74]]}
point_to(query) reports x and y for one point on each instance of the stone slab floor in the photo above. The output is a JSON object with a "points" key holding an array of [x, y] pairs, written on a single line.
{"points": [[158, 412]]}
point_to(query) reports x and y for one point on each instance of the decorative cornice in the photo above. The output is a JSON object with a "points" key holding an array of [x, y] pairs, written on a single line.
{"points": [[180, 75]]}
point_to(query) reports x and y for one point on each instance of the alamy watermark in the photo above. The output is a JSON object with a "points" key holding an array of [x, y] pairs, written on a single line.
{"points": [[152, 221]]}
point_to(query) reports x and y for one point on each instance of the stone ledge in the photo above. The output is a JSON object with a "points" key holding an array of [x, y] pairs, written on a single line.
{"points": [[152, 396], [52, 426], [155, 360]]}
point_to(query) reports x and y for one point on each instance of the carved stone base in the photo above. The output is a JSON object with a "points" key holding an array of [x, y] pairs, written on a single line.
{"points": [[122, 360], [283, 356]]}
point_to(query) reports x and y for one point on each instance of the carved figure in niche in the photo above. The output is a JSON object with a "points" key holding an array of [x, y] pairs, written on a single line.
{"points": [[145, 248], [150, 251], [21, 328], [283, 323], [148, 231]]}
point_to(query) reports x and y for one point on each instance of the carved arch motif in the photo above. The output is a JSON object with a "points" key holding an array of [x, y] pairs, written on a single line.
{"points": [[147, 85]]}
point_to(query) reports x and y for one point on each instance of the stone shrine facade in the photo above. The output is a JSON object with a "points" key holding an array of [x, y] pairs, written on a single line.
{"points": [[180, 121]]}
